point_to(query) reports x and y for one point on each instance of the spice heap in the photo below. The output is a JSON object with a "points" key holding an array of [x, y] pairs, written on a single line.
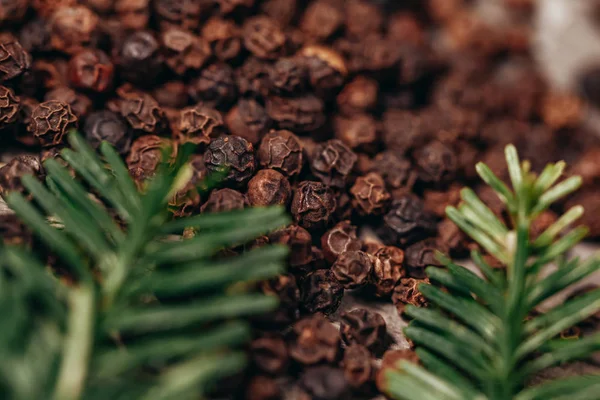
{"points": [[351, 113]]}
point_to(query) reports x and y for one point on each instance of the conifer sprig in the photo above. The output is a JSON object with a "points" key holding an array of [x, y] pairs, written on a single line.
{"points": [[476, 341], [147, 316]]}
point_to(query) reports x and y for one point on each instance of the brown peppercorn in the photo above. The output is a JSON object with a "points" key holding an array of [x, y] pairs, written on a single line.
{"points": [[221, 200], [199, 124], [315, 340], [407, 222], [229, 6], [269, 354], [436, 162], [397, 171], [91, 69], [14, 60], [139, 58], [326, 69], [369, 195], [358, 96], [268, 188], [352, 269], [35, 36], [339, 239], [184, 51], [223, 36], [145, 156], [422, 255], [436, 201], [298, 241], [262, 388], [282, 11], [73, 28], [107, 126], [387, 269], [390, 361], [264, 38], [332, 162], [253, 78], [321, 292], [282, 151], [45, 8], [172, 94], [80, 104], [186, 201], [27, 105], [15, 169], [407, 292], [9, 107], [358, 131], [363, 17], [364, 327], [325, 383], [285, 288], [453, 238], [141, 111], [215, 87], [13, 10], [233, 154], [321, 19], [134, 14], [50, 121], [181, 13], [312, 204], [288, 75], [249, 120], [298, 114], [358, 365]]}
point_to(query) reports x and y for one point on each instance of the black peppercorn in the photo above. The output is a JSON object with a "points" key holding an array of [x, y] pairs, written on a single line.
{"points": [[369, 195], [139, 59], [332, 162], [298, 240], [199, 124], [107, 126], [364, 327], [282, 151], [325, 383], [15, 169], [9, 107], [298, 114], [91, 69], [268, 187], [50, 121], [352, 269], [249, 120], [313, 204], [339, 239], [321, 292], [14, 60], [215, 87], [232, 154], [407, 222], [264, 38], [221, 200], [315, 340]]}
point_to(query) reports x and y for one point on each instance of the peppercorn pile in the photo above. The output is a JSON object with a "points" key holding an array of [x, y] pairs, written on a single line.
{"points": [[357, 115]]}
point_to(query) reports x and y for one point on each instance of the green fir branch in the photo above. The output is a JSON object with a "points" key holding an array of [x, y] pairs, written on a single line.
{"points": [[474, 341]]}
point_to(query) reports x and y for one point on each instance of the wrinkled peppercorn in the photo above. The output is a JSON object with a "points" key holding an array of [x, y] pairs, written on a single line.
{"points": [[73, 28], [182, 13], [453, 238], [357, 96], [288, 75], [133, 14], [358, 131], [406, 222], [107, 126], [223, 36], [321, 19], [321, 292], [222, 200], [436, 201], [215, 87], [145, 156], [13, 10], [269, 354], [141, 111], [339, 239], [315, 340], [232, 154], [332, 162], [139, 59], [91, 69], [253, 78], [358, 365], [407, 292], [264, 38], [298, 241], [364, 327], [14, 60], [199, 124], [420, 256], [183, 51], [9, 107], [282, 151], [287, 291], [80, 104], [387, 269], [249, 120], [50, 121], [352, 269], [15, 169], [35, 36], [326, 69], [369, 195], [436, 162], [325, 383], [396, 170], [312, 204], [298, 114], [401, 130], [267, 188]]}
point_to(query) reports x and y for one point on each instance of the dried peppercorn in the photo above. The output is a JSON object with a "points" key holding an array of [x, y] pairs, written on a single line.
{"points": [[264, 38], [14, 60], [107, 126], [332, 162], [312, 204], [233, 154], [298, 240], [172, 94], [282, 151], [9, 107], [326, 69], [182, 13], [73, 28], [139, 59], [407, 222], [401, 130], [369, 195], [35, 36], [27, 105], [397, 171], [221, 200], [358, 131], [134, 14], [282, 11], [229, 6], [184, 51], [339, 239], [364, 327], [223, 36], [186, 201], [12, 230], [436, 201], [267, 188], [387, 269], [269, 354], [352, 269], [50, 74], [249, 120], [358, 96], [50, 121], [145, 156], [390, 360], [199, 124], [253, 78], [325, 383], [45, 8], [80, 104], [362, 17], [407, 292], [15, 169], [453, 238], [140, 110], [321, 292], [262, 388], [13, 10], [215, 87], [436, 162], [421, 255], [285, 288], [358, 365], [91, 69], [288, 75], [298, 114], [321, 19], [314, 340]]}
